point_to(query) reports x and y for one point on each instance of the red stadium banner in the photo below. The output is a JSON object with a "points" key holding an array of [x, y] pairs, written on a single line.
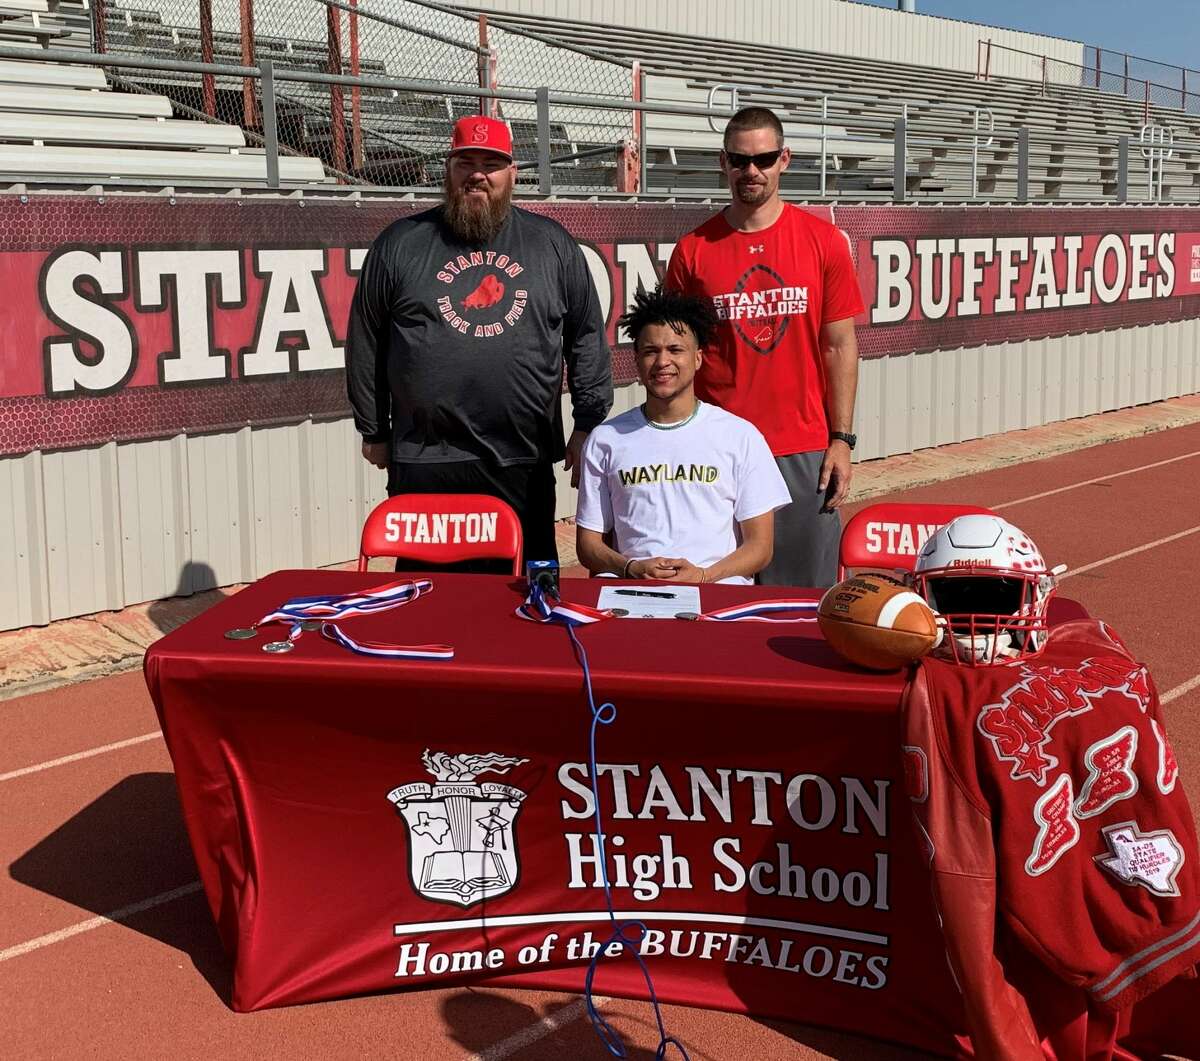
{"points": [[939, 278], [138, 317]]}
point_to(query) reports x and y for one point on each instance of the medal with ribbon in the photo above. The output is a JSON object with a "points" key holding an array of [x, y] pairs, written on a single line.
{"points": [[542, 607], [325, 611]]}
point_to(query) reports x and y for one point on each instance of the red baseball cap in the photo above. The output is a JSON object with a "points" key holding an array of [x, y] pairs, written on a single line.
{"points": [[479, 133]]}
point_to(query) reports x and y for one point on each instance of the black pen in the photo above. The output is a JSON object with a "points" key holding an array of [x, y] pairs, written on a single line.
{"points": [[644, 593]]}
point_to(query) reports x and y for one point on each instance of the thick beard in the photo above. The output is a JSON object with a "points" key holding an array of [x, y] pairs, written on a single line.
{"points": [[474, 222]]}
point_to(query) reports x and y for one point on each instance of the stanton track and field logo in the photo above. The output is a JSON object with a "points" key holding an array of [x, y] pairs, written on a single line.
{"points": [[461, 833], [486, 297], [761, 306]]}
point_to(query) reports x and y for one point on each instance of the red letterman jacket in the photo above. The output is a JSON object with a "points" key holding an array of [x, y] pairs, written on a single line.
{"points": [[1060, 843]]}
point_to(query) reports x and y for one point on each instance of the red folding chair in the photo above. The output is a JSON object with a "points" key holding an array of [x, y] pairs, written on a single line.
{"points": [[888, 536], [442, 529]]}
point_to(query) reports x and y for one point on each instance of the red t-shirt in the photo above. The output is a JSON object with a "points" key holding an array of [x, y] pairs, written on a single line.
{"points": [[772, 289]]}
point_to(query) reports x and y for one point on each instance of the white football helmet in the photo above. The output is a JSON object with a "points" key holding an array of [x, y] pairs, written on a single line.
{"points": [[990, 587]]}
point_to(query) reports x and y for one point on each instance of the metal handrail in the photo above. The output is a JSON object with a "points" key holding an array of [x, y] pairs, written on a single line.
{"points": [[1155, 139], [975, 146], [1084, 70], [541, 38], [437, 88], [441, 38], [712, 102], [1157, 145], [787, 94]]}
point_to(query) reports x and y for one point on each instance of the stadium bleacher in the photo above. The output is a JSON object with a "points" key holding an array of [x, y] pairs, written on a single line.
{"points": [[402, 134], [54, 116], [839, 111], [25, 26], [400, 129], [1073, 131]]}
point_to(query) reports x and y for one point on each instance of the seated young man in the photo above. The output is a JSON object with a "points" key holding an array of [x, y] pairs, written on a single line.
{"points": [[687, 490]]}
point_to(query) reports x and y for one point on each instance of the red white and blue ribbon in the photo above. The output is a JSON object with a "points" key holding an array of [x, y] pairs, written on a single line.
{"points": [[330, 609], [764, 611], [343, 605], [541, 607], [379, 648]]}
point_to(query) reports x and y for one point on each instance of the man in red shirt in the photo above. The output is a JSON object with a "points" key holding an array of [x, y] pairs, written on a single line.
{"points": [[783, 286]]}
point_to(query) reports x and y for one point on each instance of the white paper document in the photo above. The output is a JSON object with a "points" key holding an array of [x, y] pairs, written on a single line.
{"points": [[654, 601]]}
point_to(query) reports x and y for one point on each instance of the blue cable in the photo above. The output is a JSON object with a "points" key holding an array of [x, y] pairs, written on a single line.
{"points": [[605, 715]]}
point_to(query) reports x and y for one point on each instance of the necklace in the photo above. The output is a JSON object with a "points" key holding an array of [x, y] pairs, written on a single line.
{"points": [[672, 427]]}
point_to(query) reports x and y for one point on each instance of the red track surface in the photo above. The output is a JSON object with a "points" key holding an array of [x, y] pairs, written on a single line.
{"points": [[91, 837]]}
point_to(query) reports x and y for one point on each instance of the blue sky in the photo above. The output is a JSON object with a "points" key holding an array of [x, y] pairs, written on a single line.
{"points": [[1167, 30]]}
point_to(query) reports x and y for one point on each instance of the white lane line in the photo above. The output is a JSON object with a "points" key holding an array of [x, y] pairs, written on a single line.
{"points": [[123, 914], [527, 1036], [1098, 479], [38, 767], [1128, 552], [1179, 690]]}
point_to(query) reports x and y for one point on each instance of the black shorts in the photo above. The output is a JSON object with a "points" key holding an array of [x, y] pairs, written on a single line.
{"points": [[528, 488]]}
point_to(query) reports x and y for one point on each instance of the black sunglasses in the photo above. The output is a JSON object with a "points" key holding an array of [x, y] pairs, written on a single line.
{"points": [[764, 161]]}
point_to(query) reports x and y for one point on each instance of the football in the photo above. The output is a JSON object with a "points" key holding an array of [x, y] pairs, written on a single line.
{"points": [[877, 622]]}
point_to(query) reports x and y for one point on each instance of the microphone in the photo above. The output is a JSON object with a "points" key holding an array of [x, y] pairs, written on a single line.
{"points": [[544, 575]]}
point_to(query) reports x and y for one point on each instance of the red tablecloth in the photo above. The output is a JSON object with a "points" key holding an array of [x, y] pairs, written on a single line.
{"points": [[750, 785]]}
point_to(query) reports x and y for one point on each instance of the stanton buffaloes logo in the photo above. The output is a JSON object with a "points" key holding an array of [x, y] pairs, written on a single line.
{"points": [[485, 297], [461, 834], [761, 307]]}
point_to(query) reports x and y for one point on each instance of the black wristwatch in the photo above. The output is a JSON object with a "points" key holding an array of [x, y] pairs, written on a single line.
{"points": [[843, 436]]}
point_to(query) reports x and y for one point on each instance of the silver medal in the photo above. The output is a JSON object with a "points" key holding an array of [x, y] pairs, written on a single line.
{"points": [[278, 646], [618, 613], [310, 625], [686, 615], [242, 633]]}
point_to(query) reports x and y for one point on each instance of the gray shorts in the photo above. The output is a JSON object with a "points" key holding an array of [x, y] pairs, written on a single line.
{"points": [[806, 539]]}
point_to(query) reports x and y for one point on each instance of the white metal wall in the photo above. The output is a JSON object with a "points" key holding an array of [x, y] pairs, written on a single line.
{"points": [[94, 529], [99, 528], [838, 26], [934, 399]]}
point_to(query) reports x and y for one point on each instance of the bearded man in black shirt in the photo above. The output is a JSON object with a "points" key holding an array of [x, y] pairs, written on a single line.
{"points": [[462, 320]]}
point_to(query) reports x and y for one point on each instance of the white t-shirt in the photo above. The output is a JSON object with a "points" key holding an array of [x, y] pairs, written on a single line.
{"points": [[677, 492]]}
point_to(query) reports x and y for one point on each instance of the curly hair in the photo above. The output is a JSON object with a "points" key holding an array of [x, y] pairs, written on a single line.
{"points": [[664, 306]]}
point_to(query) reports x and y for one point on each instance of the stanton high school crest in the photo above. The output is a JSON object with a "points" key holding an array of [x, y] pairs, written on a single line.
{"points": [[461, 833]]}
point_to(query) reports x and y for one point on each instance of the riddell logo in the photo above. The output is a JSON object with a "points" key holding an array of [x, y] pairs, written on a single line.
{"points": [[1019, 726]]}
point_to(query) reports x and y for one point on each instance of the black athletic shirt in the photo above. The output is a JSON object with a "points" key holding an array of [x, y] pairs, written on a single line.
{"points": [[456, 353]]}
